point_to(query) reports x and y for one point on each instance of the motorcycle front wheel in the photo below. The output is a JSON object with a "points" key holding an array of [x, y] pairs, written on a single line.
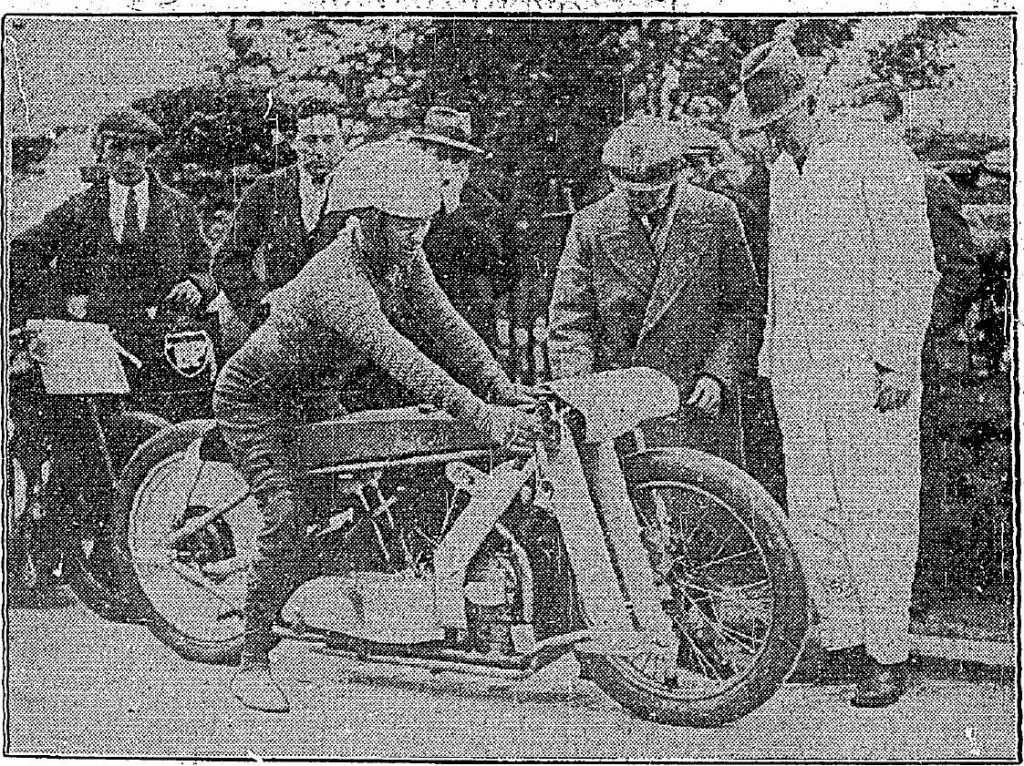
{"points": [[191, 571], [738, 604]]}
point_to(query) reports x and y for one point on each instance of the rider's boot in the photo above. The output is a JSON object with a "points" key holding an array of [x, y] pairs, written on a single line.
{"points": [[252, 684], [255, 687]]}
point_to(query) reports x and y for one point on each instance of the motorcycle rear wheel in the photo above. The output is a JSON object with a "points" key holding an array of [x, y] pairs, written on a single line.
{"points": [[196, 614], [740, 605]]}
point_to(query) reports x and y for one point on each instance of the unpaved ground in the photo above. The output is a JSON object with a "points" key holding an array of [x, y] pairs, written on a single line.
{"points": [[77, 685]]}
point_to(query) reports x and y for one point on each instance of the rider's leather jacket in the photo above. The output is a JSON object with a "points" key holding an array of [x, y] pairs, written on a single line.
{"points": [[356, 307]]}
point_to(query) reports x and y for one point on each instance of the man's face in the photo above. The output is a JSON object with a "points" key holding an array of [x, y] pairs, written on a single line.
{"points": [[125, 158], [319, 144], [700, 170], [647, 202], [454, 171], [404, 236]]}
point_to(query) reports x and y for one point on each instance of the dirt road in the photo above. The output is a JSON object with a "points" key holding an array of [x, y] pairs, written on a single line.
{"points": [[77, 685]]}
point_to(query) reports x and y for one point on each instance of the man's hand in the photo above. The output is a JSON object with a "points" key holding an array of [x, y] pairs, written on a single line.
{"points": [[37, 349], [510, 426], [78, 305], [892, 390], [514, 394], [185, 294], [706, 396]]}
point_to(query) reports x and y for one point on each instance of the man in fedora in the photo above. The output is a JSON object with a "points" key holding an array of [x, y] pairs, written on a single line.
{"points": [[851, 277], [471, 267], [279, 223], [658, 274]]}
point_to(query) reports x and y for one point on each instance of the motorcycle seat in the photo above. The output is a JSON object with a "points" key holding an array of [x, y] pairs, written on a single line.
{"points": [[374, 436]]}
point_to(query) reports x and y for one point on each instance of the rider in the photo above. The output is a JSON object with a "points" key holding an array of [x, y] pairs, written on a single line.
{"points": [[367, 300]]}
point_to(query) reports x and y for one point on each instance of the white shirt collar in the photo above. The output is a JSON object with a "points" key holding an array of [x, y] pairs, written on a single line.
{"points": [[118, 200]]}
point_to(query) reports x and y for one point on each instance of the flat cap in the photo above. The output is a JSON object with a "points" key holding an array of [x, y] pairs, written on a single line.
{"points": [[129, 122], [645, 153]]}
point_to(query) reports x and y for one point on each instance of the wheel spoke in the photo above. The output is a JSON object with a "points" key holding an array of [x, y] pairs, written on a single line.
{"points": [[702, 658], [725, 596], [725, 559], [721, 547], [725, 633]]}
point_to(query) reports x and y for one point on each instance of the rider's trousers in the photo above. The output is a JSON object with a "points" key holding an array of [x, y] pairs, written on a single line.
{"points": [[259, 428]]}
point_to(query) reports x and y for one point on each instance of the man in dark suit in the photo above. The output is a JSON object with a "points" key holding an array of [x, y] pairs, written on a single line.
{"points": [[658, 274], [113, 252], [761, 438], [279, 223]]}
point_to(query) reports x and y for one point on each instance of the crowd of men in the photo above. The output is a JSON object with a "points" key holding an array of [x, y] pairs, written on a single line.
{"points": [[793, 321]]}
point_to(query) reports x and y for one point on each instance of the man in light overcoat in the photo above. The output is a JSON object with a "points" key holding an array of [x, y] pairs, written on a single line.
{"points": [[658, 274], [851, 278]]}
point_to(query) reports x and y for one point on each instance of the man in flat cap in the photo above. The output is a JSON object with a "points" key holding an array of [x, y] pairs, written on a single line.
{"points": [[658, 274], [851, 277], [124, 245], [279, 223], [470, 265], [112, 253]]}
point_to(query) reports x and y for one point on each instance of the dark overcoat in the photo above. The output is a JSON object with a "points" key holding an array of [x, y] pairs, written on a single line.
{"points": [[72, 251], [688, 310], [267, 243], [470, 268]]}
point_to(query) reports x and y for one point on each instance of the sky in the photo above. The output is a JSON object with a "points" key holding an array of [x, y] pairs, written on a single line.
{"points": [[72, 70]]}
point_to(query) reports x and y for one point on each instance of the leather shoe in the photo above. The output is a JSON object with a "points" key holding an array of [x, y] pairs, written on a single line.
{"points": [[255, 688], [828, 667], [880, 685]]}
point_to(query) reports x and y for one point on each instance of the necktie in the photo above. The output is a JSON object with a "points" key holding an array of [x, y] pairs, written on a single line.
{"points": [[132, 234], [315, 204]]}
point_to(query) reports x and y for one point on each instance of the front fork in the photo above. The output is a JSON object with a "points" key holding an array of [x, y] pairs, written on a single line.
{"points": [[615, 582], [618, 589]]}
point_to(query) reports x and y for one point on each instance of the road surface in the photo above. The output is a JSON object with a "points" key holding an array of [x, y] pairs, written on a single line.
{"points": [[78, 685]]}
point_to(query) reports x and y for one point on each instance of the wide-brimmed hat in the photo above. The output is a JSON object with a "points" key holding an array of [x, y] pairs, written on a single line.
{"points": [[774, 81], [129, 123], [447, 127], [645, 153]]}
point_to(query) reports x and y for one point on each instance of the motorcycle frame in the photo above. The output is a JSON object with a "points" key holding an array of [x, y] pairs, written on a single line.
{"points": [[614, 578]]}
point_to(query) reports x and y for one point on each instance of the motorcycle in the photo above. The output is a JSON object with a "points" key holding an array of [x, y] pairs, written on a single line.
{"points": [[667, 571], [82, 404]]}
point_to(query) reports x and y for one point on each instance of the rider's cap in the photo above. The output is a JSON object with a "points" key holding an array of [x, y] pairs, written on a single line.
{"points": [[129, 123], [394, 177], [645, 153]]}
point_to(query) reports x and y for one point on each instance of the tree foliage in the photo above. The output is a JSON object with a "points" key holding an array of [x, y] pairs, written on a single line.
{"points": [[543, 94]]}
